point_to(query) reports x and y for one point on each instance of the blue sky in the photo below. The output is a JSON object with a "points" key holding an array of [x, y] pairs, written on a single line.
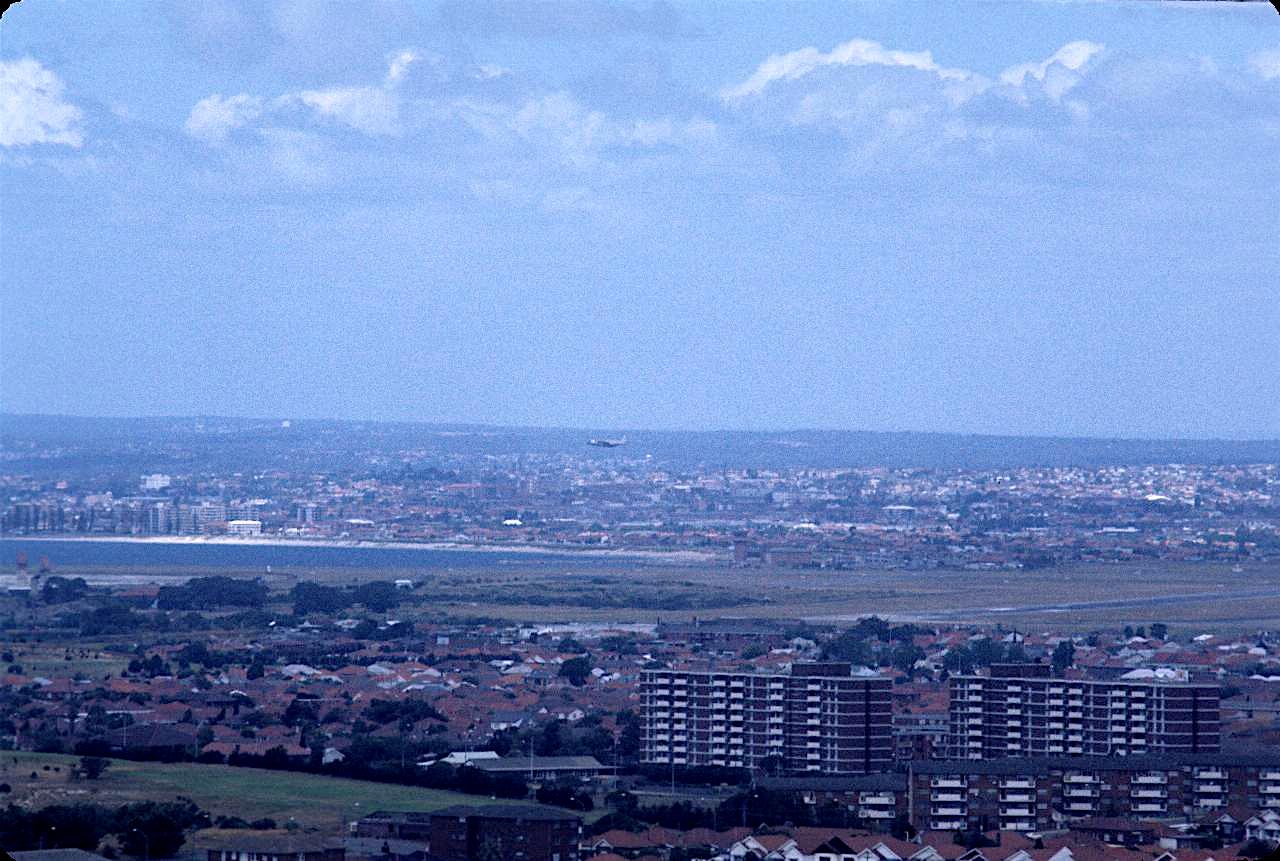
{"points": [[997, 217]]}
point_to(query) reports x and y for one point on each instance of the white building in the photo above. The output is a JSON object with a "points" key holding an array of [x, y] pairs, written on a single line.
{"points": [[244, 527], [156, 481]]}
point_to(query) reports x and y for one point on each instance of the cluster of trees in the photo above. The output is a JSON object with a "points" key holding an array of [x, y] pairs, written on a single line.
{"points": [[377, 596], [587, 737], [148, 828], [982, 652], [377, 759], [200, 593], [114, 618], [873, 642], [63, 590]]}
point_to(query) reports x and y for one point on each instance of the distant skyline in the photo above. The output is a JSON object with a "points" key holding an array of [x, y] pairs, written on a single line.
{"points": [[979, 216]]}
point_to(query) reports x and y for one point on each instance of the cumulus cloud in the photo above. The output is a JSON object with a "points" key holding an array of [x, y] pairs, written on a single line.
{"points": [[858, 52], [214, 117], [32, 107], [865, 107], [1055, 76], [373, 110]]}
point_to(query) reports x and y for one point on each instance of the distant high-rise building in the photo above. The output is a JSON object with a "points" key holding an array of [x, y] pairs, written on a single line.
{"points": [[819, 718], [1018, 711], [156, 481]]}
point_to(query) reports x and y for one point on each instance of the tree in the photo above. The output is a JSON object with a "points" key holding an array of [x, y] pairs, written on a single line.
{"points": [[1159, 630], [1256, 849], [904, 657], [850, 646], [576, 670], [986, 652], [314, 598], [1064, 656], [378, 596], [93, 766]]}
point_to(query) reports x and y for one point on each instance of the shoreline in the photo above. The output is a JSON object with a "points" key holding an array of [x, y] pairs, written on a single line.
{"points": [[677, 556]]}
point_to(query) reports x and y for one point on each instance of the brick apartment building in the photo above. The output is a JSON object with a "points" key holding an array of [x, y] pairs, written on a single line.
{"points": [[1039, 793], [1018, 711], [818, 718], [512, 832]]}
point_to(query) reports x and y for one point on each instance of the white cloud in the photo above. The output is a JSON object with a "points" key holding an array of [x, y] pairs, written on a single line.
{"points": [[1266, 64], [1055, 75], [32, 108], [214, 117], [576, 134], [374, 110], [857, 52], [400, 66], [371, 110]]}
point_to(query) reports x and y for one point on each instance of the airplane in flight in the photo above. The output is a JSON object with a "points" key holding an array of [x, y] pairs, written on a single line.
{"points": [[605, 442]]}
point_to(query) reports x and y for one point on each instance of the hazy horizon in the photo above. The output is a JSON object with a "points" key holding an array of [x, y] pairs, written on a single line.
{"points": [[979, 217], [596, 429]]}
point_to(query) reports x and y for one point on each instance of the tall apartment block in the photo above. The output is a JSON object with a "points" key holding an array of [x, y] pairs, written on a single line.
{"points": [[819, 718], [1018, 711]]}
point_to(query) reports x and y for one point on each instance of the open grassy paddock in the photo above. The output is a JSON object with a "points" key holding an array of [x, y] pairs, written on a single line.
{"points": [[312, 801], [1070, 597]]}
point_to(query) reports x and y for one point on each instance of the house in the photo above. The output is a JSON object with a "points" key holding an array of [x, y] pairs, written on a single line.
{"points": [[1264, 826], [238, 844], [56, 855], [541, 767], [506, 719]]}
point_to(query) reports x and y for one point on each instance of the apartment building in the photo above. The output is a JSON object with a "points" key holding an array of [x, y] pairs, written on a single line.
{"points": [[1018, 711], [513, 832], [1039, 793], [817, 718], [876, 801]]}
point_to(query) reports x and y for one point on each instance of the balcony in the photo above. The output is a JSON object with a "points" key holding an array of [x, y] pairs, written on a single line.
{"points": [[1148, 807], [1080, 778], [947, 824], [879, 798], [947, 811], [1151, 778], [1017, 811], [1148, 793], [947, 796], [947, 783], [1017, 783], [1017, 797]]}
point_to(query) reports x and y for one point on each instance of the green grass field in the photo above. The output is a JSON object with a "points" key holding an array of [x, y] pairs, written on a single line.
{"points": [[313, 801]]}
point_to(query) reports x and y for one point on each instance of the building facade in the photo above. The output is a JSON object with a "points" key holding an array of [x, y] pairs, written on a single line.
{"points": [[512, 832], [1018, 711], [819, 718], [1039, 793]]}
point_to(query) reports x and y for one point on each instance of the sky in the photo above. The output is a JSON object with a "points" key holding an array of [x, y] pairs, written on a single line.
{"points": [[978, 216]]}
